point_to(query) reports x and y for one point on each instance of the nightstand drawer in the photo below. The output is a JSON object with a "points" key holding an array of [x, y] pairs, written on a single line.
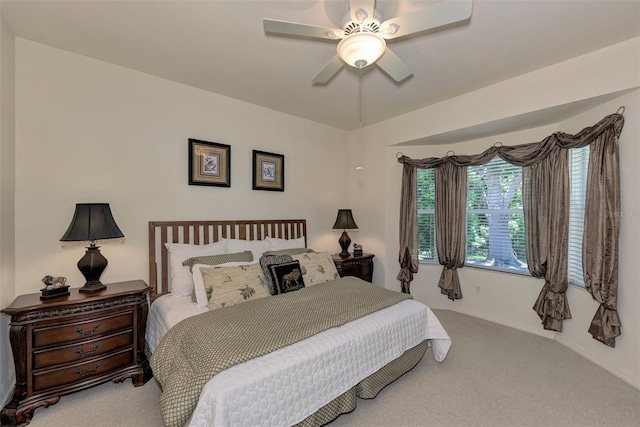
{"points": [[351, 265], [79, 351], [81, 372], [359, 266], [82, 330]]}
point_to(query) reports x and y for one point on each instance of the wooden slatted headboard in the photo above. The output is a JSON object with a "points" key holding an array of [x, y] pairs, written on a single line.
{"points": [[206, 232]]}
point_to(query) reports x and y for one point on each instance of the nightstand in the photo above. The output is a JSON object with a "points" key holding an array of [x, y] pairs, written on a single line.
{"points": [[359, 266], [69, 343]]}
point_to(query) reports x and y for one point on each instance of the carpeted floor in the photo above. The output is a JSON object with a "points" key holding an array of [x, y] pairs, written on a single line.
{"points": [[493, 376]]}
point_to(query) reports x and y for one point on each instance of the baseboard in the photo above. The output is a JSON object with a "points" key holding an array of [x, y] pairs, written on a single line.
{"points": [[505, 322], [598, 361]]}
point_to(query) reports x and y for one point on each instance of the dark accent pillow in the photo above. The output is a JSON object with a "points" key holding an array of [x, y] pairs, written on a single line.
{"points": [[287, 277], [266, 261]]}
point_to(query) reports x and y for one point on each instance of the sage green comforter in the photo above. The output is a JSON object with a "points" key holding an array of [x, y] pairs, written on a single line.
{"points": [[199, 347]]}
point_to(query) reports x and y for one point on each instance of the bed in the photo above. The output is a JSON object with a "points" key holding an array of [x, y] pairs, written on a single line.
{"points": [[324, 371]]}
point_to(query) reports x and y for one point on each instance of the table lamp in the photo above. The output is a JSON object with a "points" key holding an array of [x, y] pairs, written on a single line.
{"points": [[345, 222], [92, 223]]}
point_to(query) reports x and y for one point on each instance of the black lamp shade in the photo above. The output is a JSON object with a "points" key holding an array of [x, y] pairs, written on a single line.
{"points": [[344, 222], [92, 222]]}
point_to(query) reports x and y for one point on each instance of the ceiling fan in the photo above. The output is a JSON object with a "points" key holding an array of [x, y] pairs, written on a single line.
{"points": [[363, 35]]}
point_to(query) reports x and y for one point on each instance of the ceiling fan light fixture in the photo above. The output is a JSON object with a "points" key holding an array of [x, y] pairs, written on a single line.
{"points": [[361, 49]]}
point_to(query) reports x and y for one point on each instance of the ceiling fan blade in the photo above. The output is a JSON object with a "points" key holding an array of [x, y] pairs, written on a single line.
{"points": [[329, 70], [395, 67], [304, 30], [357, 7], [444, 13]]}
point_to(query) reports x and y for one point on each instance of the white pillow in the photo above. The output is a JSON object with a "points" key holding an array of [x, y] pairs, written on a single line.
{"points": [[280, 244], [257, 247], [181, 277], [201, 296]]}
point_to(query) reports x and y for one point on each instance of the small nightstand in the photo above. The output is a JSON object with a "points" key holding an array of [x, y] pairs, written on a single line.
{"points": [[69, 343], [359, 266]]}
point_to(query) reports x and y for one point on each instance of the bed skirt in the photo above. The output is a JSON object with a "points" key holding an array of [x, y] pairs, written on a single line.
{"points": [[368, 388]]}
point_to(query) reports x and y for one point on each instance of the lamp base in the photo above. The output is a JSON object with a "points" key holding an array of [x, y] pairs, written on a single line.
{"points": [[91, 288], [344, 241], [91, 265]]}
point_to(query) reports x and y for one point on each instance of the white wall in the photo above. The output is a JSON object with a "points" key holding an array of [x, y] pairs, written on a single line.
{"points": [[89, 131], [7, 206], [508, 298]]}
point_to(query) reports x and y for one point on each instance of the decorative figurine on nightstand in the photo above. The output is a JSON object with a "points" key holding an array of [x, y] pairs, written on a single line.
{"points": [[357, 249], [54, 287]]}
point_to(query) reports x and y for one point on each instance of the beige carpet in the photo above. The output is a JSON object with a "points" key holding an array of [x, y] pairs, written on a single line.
{"points": [[493, 376]]}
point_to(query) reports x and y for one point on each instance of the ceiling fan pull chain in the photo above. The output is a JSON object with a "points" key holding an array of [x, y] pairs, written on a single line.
{"points": [[360, 98], [359, 148]]}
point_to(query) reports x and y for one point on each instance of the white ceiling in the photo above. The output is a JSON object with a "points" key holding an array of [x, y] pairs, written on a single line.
{"points": [[220, 46]]}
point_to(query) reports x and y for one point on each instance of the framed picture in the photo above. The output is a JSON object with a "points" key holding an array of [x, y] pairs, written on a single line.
{"points": [[268, 171], [209, 163]]}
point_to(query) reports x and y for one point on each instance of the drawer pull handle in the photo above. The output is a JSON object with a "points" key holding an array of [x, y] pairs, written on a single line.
{"points": [[91, 332], [88, 353], [86, 374]]}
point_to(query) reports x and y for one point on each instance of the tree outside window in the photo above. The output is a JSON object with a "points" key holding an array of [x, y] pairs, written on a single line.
{"points": [[495, 219]]}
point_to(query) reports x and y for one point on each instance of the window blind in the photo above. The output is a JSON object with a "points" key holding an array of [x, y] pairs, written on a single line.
{"points": [[578, 165], [495, 219], [426, 215]]}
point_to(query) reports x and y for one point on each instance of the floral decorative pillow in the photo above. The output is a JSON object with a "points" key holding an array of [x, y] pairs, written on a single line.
{"points": [[317, 267], [195, 263], [226, 286]]}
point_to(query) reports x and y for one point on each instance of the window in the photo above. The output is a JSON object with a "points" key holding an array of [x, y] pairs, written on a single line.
{"points": [[426, 195], [495, 220], [578, 165]]}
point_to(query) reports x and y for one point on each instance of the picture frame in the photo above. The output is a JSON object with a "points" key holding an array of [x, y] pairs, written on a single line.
{"points": [[209, 163], [268, 171]]}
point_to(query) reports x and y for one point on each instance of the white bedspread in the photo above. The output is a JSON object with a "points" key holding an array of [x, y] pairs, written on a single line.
{"points": [[165, 312], [284, 387]]}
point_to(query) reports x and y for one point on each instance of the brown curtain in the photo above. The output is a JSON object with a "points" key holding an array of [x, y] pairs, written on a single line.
{"points": [[545, 202], [601, 232], [451, 213], [546, 206], [408, 229]]}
